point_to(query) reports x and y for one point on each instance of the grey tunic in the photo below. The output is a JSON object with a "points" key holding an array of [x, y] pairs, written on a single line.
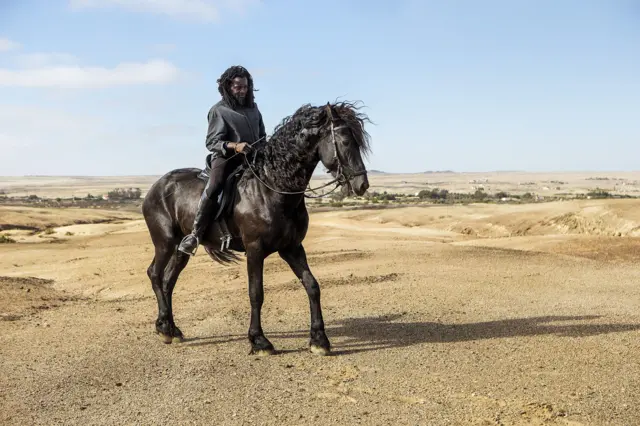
{"points": [[228, 125]]}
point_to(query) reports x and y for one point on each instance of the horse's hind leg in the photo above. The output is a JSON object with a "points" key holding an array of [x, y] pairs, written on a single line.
{"points": [[163, 273], [177, 263], [156, 275]]}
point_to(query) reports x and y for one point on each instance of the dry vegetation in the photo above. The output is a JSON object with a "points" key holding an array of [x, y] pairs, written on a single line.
{"points": [[505, 313]]}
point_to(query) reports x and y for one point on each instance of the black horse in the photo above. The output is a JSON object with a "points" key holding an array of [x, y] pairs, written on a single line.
{"points": [[266, 211]]}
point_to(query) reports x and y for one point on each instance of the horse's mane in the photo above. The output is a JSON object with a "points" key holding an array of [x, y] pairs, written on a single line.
{"points": [[285, 151]]}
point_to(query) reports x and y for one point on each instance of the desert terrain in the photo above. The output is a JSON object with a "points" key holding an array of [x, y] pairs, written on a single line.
{"points": [[515, 182], [479, 314]]}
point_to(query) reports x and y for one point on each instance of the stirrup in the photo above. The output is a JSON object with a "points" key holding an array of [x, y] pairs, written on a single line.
{"points": [[226, 240], [195, 250]]}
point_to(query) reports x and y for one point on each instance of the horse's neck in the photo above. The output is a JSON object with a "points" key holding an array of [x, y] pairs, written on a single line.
{"points": [[288, 170]]}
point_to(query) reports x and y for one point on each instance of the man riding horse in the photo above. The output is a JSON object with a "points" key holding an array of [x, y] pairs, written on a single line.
{"points": [[235, 124]]}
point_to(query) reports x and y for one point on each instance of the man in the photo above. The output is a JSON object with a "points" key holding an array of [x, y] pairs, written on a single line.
{"points": [[235, 123]]}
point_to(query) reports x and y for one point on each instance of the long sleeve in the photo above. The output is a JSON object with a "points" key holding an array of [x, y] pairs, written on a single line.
{"points": [[262, 135], [217, 130]]}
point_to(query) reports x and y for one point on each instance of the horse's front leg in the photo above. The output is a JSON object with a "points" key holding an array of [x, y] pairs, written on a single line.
{"points": [[255, 268], [297, 260]]}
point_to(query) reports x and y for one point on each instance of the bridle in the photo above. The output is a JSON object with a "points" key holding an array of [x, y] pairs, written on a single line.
{"points": [[341, 179]]}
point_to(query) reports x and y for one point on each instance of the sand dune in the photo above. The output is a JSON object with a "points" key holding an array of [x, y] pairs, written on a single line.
{"points": [[590, 217], [38, 219]]}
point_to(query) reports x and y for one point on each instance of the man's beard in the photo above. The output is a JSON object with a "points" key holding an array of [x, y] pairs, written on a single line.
{"points": [[240, 99]]}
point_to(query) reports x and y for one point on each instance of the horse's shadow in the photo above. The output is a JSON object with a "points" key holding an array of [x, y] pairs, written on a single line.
{"points": [[355, 335]]}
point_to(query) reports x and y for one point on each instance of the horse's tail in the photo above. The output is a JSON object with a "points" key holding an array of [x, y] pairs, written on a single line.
{"points": [[222, 257]]}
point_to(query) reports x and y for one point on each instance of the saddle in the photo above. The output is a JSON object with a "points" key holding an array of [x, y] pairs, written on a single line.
{"points": [[225, 199]]}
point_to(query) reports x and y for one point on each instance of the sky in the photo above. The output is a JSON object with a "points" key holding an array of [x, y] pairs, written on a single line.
{"points": [[123, 87]]}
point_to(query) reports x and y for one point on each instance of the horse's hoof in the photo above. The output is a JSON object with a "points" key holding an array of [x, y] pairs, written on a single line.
{"points": [[177, 339], [165, 338], [319, 350], [261, 346], [263, 352]]}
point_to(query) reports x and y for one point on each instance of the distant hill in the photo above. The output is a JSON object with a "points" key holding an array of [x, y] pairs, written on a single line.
{"points": [[376, 172], [438, 171]]}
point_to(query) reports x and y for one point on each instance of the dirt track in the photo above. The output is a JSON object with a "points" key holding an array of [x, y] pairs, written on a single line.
{"points": [[447, 315]]}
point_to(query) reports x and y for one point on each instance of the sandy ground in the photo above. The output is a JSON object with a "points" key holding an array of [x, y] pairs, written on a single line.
{"points": [[481, 315]]}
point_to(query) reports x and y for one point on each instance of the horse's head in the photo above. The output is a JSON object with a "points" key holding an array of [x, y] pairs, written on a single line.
{"points": [[342, 142]]}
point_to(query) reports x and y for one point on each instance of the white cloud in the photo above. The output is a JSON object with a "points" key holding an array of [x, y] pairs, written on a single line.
{"points": [[29, 127], [77, 77], [45, 141], [37, 60], [7, 45], [200, 10]]}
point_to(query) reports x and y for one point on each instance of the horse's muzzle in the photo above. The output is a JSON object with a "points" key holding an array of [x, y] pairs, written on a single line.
{"points": [[359, 184]]}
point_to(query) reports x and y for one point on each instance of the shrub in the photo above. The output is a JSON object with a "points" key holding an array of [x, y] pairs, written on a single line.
{"points": [[599, 193], [479, 195], [6, 240], [433, 194], [125, 194]]}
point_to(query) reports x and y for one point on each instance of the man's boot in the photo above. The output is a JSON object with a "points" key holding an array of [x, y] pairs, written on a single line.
{"points": [[190, 243]]}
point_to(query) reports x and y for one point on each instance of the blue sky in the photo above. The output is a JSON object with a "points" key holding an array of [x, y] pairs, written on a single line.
{"points": [[122, 87]]}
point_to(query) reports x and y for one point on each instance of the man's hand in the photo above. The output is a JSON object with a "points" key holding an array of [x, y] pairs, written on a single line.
{"points": [[242, 147]]}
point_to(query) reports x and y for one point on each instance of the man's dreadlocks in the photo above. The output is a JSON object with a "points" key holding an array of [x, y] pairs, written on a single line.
{"points": [[225, 81]]}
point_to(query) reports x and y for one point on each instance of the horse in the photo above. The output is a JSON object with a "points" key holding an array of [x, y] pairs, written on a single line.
{"points": [[265, 211]]}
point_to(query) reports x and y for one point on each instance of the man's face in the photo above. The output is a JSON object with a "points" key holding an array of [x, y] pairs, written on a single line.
{"points": [[239, 88]]}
